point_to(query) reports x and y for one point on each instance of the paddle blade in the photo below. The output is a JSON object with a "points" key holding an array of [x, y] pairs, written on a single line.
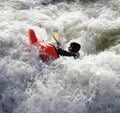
{"points": [[54, 37]]}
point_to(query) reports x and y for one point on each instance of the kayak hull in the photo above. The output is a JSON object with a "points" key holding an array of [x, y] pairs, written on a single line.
{"points": [[47, 52]]}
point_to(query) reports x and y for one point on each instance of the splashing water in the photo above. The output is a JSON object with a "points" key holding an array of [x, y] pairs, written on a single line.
{"points": [[87, 85]]}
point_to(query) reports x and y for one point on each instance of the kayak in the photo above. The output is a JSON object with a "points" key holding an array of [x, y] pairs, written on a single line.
{"points": [[47, 52]]}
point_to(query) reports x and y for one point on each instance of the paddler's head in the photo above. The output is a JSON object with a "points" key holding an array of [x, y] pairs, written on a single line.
{"points": [[74, 47]]}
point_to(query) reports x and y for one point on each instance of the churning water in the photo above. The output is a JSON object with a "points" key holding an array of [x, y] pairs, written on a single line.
{"points": [[87, 85]]}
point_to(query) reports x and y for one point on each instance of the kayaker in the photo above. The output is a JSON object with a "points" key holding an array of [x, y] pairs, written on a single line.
{"points": [[73, 50], [48, 52]]}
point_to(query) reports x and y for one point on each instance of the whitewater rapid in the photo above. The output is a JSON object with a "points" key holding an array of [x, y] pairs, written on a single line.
{"points": [[90, 84]]}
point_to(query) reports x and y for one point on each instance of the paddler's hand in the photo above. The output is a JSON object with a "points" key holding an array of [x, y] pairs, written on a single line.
{"points": [[58, 44]]}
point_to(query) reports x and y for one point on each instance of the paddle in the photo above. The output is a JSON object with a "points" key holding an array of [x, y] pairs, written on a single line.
{"points": [[55, 39]]}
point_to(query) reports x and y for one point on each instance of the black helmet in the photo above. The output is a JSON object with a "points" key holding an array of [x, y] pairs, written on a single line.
{"points": [[75, 47]]}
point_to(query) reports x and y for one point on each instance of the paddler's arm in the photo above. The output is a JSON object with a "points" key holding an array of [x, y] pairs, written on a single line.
{"points": [[64, 52]]}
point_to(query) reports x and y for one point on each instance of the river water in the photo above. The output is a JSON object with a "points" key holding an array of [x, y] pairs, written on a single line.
{"points": [[90, 84]]}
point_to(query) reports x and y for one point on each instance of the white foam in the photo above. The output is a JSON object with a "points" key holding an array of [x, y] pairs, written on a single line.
{"points": [[86, 85]]}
